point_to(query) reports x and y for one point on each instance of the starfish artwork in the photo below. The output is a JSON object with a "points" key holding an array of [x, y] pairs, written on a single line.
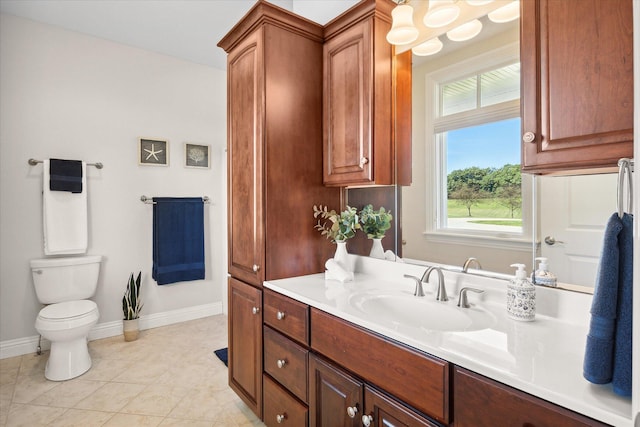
{"points": [[153, 153]]}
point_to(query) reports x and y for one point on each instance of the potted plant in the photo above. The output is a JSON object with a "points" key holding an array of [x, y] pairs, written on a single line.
{"points": [[131, 306], [337, 227], [375, 224]]}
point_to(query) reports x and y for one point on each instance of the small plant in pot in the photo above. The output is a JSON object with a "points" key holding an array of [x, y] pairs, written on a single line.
{"points": [[374, 225], [337, 227], [131, 306]]}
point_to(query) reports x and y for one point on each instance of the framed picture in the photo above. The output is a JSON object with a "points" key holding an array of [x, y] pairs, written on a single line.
{"points": [[196, 155], [153, 152]]}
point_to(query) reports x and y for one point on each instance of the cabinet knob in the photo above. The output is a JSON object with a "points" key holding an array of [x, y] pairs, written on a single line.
{"points": [[367, 420], [256, 268], [255, 310], [281, 363], [280, 315], [280, 418], [363, 161], [352, 411], [529, 137]]}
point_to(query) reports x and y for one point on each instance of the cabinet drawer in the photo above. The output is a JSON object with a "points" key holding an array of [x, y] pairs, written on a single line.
{"points": [[282, 409], [419, 380], [287, 316], [287, 362]]}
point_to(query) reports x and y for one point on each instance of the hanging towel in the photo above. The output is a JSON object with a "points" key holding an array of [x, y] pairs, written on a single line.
{"points": [[64, 215], [178, 239], [608, 348], [65, 175]]}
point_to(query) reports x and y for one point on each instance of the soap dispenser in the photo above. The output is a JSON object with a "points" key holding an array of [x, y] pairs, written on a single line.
{"points": [[521, 296], [542, 276]]}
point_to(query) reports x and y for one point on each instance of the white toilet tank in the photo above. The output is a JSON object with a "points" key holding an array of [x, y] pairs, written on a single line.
{"points": [[65, 279]]}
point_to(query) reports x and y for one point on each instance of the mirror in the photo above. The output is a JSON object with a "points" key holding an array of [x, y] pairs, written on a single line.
{"points": [[567, 214]]}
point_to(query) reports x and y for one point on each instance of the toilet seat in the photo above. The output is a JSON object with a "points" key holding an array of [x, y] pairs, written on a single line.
{"points": [[67, 315]]}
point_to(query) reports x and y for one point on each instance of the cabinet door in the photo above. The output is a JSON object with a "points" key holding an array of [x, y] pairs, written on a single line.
{"points": [[245, 92], [347, 109], [577, 83], [480, 402], [381, 411], [335, 398], [245, 343]]}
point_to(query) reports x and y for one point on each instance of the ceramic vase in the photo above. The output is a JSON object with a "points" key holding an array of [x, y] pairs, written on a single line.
{"points": [[342, 256], [131, 329], [377, 251]]}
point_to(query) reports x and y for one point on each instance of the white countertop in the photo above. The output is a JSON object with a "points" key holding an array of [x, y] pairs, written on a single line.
{"points": [[543, 358]]}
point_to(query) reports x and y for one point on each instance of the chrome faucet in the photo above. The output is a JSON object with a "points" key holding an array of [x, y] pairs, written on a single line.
{"points": [[441, 293], [462, 299], [419, 292], [470, 261]]}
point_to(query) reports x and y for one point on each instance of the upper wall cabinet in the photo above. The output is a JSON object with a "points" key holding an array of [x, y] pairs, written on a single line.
{"points": [[577, 84], [367, 100]]}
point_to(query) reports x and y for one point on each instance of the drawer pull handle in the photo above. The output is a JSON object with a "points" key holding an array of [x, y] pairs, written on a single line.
{"points": [[529, 137], [280, 315], [255, 310], [256, 268], [352, 411], [281, 363], [280, 418], [363, 161], [367, 420]]}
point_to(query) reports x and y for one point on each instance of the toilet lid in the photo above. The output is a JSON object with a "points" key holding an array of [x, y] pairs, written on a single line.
{"points": [[68, 310]]}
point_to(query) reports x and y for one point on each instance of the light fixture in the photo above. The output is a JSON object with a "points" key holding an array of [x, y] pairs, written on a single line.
{"points": [[430, 47], [441, 13], [506, 13], [465, 31], [478, 2], [402, 29]]}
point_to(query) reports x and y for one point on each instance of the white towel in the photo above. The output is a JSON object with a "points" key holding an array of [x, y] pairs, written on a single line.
{"points": [[64, 216]]}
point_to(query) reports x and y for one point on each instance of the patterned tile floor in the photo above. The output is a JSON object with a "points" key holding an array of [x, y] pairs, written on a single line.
{"points": [[168, 377]]}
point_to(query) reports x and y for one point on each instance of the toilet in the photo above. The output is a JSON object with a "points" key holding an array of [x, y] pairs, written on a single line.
{"points": [[65, 285]]}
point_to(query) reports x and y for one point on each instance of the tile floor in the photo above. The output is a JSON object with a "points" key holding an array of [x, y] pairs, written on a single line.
{"points": [[168, 377]]}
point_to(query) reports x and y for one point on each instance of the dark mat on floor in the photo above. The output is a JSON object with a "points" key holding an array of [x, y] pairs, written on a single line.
{"points": [[222, 355]]}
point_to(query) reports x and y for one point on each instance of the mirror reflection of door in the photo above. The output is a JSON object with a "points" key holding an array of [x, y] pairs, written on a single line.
{"points": [[573, 213]]}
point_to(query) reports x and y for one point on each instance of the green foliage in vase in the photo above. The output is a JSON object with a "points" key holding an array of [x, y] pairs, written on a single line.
{"points": [[375, 223], [335, 226], [131, 302]]}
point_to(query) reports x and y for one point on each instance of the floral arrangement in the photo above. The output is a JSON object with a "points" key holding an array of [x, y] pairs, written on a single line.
{"points": [[337, 227], [131, 302], [375, 223]]}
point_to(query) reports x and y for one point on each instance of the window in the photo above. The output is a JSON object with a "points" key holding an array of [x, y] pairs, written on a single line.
{"points": [[475, 124]]}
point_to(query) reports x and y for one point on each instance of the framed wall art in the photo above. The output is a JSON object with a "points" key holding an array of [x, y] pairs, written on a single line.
{"points": [[153, 152], [196, 155]]}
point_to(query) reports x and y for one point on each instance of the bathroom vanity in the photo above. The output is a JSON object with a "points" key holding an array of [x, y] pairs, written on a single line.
{"points": [[334, 354]]}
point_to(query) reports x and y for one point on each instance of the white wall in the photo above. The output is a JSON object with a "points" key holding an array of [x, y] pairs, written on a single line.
{"points": [[67, 95]]}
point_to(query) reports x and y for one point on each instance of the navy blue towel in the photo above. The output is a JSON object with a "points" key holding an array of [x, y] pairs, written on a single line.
{"points": [[178, 239], [608, 349], [65, 175]]}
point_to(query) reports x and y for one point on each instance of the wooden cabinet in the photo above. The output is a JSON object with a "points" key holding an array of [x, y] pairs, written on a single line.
{"points": [[480, 402], [245, 343], [335, 397], [577, 84], [381, 411], [280, 408], [364, 101]]}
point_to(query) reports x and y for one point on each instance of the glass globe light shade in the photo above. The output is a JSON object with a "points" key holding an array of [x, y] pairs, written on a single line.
{"points": [[465, 31], [430, 47], [441, 13], [402, 29], [506, 13]]}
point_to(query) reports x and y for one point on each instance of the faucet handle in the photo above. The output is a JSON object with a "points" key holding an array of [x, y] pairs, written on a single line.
{"points": [[462, 299], [419, 292]]}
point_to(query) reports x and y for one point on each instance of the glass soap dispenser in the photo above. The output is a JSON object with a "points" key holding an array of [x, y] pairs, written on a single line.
{"points": [[521, 296], [542, 276]]}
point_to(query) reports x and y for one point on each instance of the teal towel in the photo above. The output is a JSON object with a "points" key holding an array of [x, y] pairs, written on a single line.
{"points": [[178, 239]]}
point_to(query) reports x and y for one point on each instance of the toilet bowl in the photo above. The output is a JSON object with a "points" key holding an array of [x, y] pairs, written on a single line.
{"points": [[65, 284], [66, 325]]}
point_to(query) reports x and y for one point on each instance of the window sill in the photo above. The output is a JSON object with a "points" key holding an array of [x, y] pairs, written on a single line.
{"points": [[500, 241]]}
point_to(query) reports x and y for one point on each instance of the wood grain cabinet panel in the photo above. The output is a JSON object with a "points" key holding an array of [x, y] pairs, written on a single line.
{"points": [[281, 409], [286, 362], [382, 411], [577, 84], [287, 316]]}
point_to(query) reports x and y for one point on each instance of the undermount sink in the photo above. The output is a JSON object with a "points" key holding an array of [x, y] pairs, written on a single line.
{"points": [[400, 308]]}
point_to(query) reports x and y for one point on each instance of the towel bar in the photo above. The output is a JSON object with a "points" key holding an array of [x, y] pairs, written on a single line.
{"points": [[626, 167], [149, 200], [34, 162]]}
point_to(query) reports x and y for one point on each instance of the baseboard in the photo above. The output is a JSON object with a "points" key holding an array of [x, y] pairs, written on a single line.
{"points": [[26, 345]]}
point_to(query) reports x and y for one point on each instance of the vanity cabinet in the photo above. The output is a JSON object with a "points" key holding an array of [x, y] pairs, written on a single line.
{"points": [[480, 401], [274, 166], [577, 84], [367, 99]]}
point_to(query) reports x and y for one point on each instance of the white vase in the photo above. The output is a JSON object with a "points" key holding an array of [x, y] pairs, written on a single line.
{"points": [[130, 329], [342, 256], [377, 251]]}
